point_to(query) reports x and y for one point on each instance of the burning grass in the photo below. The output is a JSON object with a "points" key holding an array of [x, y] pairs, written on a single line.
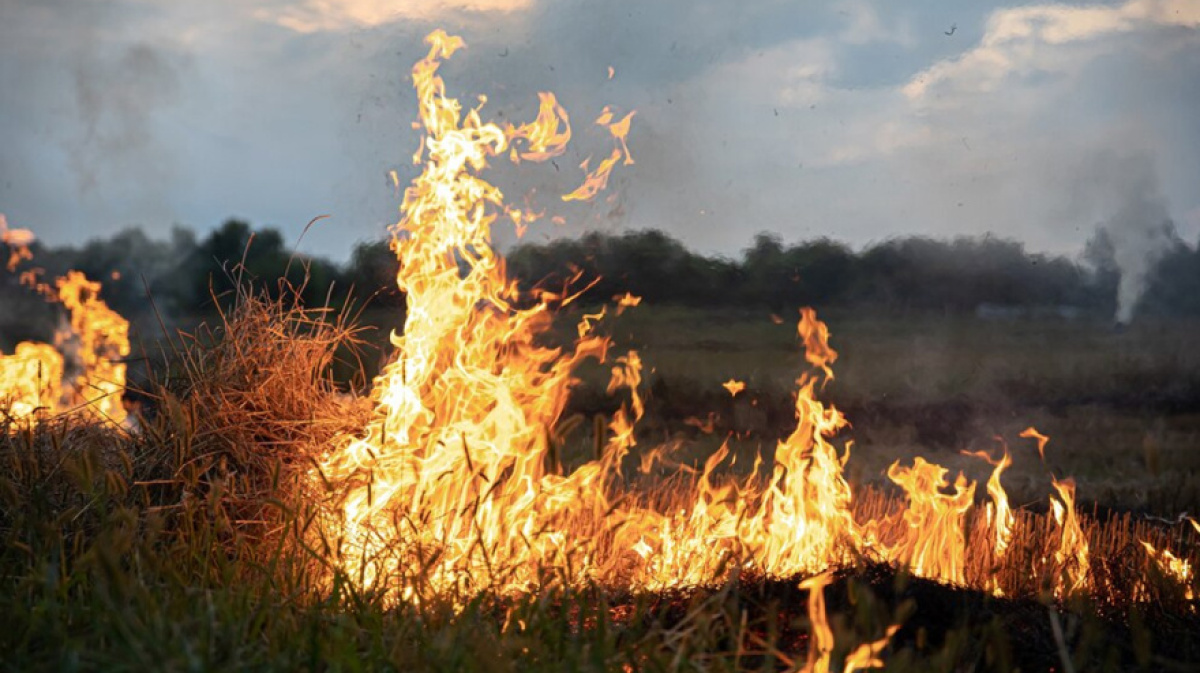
{"points": [[189, 544], [436, 524]]}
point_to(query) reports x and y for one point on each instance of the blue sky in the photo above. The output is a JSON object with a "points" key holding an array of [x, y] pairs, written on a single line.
{"points": [[854, 119]]}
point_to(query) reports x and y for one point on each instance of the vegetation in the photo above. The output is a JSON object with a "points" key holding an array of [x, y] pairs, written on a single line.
{"points": [[194, 543], [189, 546], [960, 276]]}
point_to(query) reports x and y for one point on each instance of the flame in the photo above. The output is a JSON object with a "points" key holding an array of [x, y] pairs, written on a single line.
{"points": [[18, 242], [34, 381], [998, 513], [547, 136], [1179, 570], [100, 337], [457, 486], [734, 387], [625, 301], [934, 542], [1032, 433], [30, 380], [820, 649], [597, 180], [1071, 558], [457, 459]]}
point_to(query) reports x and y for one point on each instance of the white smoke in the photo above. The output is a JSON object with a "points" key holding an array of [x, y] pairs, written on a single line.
{"points": [[1140, 233]]}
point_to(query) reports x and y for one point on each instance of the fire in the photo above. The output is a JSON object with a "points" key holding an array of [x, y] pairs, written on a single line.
{"points": [[934, 542], [626, 301], [458, 485], [1071, 559], [34, 380], [1042, 440], [820, 649], [18, 242], [734, 387], [1179, 570], [30, 380], [998, 514], [456, 462]]}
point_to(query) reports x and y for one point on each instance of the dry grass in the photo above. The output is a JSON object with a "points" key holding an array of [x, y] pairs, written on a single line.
{"points": [[184, 545]]}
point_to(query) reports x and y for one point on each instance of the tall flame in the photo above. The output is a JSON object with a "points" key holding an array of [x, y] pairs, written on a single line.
{"points": [[1071, 558], [456, 458], [458, 483]]}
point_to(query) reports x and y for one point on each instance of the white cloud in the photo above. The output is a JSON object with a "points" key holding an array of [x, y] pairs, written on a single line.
{"points": [[310, 16], [1022, 40], [864, 25]]}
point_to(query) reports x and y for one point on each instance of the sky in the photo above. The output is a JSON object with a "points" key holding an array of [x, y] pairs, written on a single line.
{"points": [[858, 120]]}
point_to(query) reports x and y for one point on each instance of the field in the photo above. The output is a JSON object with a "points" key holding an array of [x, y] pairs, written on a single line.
{"points": [[1121, 406], [186, 546]]}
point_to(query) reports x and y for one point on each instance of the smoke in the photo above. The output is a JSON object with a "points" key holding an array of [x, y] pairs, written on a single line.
{"points": [[116, 97], [1139, 233]]}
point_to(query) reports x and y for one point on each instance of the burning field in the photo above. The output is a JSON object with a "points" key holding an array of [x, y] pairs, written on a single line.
{"points": [[247, 512]]}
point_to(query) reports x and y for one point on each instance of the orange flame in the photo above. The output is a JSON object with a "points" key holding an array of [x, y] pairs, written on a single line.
{"points": [[625, 301], [1180, 570], [734, 387], [1071, 559], [456, 486], [30, 380], [1032, 433], [934, 543], [34, 381], [100, 337], [597, 180], [999, 514], [18, 242], [820, 649]]}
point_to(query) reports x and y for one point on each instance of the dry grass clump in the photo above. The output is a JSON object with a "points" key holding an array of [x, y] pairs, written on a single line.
{"points": [[224, 444], [257, 393]]}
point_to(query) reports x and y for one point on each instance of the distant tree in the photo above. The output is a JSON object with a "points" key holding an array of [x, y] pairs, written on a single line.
{"points": [[372, 273], [236, 253]]}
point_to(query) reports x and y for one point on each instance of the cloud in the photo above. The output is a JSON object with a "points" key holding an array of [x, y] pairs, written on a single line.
{"points": [[311, 16], [865, 25], [1015, 43], [859, 119]]}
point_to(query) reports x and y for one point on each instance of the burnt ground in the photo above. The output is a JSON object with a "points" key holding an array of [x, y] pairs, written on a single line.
{"points": [[939, 624]]}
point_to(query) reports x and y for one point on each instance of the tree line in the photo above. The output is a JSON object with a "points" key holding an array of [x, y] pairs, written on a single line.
{"points": [[188, 275]]}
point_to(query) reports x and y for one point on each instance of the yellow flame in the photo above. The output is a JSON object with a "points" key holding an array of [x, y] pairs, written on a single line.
{"points": [[458, 485], [30, 380], [999, 514], [1180, 570], [625, 301], [820, 650], [734, 387], [101, 337], [934, 540], [34, 380], [1071, 558]]}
